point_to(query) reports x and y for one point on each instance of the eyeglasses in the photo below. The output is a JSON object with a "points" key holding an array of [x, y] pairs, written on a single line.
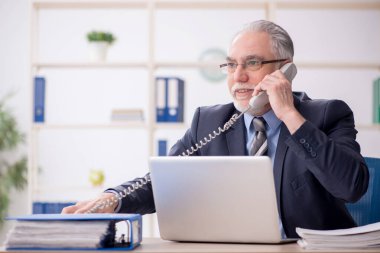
{"points": [[250, 65]]}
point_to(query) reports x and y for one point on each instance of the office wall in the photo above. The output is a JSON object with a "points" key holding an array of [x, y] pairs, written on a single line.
{"points": [[14, 60], [319, 35]]}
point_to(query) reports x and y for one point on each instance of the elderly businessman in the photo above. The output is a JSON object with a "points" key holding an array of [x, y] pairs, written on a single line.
{"points": [[316, 160]]}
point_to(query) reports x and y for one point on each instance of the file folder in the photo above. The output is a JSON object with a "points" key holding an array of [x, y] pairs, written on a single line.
{"points": [[162, 148], [169, 99], [175, 99], [161, 100], [134, 222], [39, 99]]}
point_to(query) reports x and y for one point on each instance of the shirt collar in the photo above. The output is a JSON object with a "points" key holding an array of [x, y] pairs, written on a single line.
{"points": [[270, 118]]}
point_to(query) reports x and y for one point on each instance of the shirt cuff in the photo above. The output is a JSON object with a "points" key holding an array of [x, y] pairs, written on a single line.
{"points": [[117, 195]]}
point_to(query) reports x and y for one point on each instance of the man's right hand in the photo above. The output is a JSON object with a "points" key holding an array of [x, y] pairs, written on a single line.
{"points": [[85, 206]]}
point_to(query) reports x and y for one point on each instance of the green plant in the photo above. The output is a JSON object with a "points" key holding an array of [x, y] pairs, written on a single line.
{"points": [[12, 174], [100, 36]]}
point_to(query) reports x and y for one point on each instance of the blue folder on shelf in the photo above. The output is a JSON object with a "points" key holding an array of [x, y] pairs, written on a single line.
{"points": [[169, 99], [130, 239], [39, 99]]}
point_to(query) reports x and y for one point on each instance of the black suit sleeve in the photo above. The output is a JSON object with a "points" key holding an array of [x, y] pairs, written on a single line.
{"points": [[139, 201], [331, 153]]}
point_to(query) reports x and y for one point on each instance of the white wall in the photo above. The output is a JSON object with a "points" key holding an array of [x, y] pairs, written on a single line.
{"points": [[14, 60], [322, 35]]}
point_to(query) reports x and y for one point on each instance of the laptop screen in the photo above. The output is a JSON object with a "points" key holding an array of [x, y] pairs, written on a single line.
{"points": [[215, 199]]}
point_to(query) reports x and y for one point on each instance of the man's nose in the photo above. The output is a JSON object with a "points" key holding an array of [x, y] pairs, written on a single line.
{"points": [[240, 74]]}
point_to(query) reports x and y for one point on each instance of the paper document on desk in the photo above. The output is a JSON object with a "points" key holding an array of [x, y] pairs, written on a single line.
{"points": [[362, 237]]}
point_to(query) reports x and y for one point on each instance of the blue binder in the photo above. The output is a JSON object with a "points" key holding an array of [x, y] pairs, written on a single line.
{"points": [[169, 99], [134, 221], [162, 147], [39, 99], [49, 207]]}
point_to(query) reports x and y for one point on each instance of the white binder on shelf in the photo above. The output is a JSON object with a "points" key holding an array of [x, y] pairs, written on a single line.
{"points": [[161, 94], [175, 99]]}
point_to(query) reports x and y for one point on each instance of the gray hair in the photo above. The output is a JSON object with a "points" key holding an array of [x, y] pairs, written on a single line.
{"points": [[282, 44]]}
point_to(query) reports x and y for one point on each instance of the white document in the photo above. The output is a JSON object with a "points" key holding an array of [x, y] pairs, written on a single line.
{"points": [[362, 237]]}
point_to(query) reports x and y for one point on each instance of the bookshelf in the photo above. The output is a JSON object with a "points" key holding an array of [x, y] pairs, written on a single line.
{"points": [[152, 64]]}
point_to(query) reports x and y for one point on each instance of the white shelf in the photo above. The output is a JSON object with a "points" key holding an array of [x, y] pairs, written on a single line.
{"points": [[371, 127], [174, 64], [84, 4], [130, 125], [339, 65], [189, 64], [326, 4], [121, 125], [173, 125], [90, 65], [207, 4], [142, 125]]}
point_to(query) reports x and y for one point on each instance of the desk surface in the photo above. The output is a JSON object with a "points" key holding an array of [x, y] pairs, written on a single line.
{"points": [[156, 245]]}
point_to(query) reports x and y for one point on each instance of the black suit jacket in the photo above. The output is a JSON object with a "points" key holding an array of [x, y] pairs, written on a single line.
{"points": [[317, 169]]}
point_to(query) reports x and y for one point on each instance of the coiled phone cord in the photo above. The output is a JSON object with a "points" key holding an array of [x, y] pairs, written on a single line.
{"points": [[120, 195], [143, 181], [211, 136]]}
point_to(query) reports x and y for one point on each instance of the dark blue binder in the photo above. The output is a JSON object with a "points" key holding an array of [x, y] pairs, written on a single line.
{"points": [[170, 95], [49, 207], [39, 99], [162, 148], [134, 221]]}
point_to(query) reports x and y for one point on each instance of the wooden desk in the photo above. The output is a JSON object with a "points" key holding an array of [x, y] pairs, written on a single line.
{"points": [[156, 245]]}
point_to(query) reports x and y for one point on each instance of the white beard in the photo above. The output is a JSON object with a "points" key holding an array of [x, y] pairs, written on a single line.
{"points": [[239, 107], [236, 86], [252, 111]]}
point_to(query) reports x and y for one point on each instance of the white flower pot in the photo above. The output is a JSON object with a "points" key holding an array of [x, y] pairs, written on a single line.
{"points": [[98, 51]]}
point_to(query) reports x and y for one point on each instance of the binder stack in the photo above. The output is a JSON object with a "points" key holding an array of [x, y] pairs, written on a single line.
{"points": [[169, 99], [75, 232]]}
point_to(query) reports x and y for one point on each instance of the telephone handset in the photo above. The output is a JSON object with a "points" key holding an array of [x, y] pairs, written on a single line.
{"points": [[255, 103], [258, 102]]}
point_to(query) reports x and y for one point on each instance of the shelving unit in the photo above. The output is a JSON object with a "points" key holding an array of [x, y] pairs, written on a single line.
{"points": [[151, 65]]}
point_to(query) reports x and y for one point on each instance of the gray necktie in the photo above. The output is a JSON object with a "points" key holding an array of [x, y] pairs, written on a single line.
{"points": [[259, 144]]}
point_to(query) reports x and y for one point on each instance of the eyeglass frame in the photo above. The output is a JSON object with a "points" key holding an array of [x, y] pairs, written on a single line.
{"points": [[224, 66]]}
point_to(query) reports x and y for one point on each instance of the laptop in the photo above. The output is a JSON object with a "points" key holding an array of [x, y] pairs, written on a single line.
{"points": [[216, 199]]}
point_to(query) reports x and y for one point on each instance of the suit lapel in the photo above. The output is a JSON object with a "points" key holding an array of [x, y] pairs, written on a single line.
{"points": [[235, 137]]}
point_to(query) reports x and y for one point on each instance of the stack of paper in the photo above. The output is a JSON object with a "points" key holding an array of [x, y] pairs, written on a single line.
{"points": [[75, 231], [61, 234], [363, 237]]}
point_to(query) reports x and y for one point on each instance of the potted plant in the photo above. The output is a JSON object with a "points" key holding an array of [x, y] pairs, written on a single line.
{"points": [[12, 173], [99, 41]]}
